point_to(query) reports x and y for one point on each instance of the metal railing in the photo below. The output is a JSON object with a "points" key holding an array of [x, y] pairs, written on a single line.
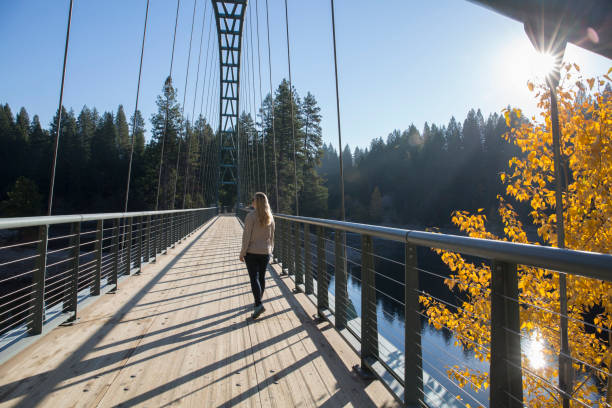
{"points": [[315, 252], [57, 261]]}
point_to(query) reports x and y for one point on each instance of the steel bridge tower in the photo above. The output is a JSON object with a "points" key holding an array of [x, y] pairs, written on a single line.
{"points": [[229, 15]]}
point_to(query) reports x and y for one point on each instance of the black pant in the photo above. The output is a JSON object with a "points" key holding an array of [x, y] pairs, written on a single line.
{"points": [[257, 265]]}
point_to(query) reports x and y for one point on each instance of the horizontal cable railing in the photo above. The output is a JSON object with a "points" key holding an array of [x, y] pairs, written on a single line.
{"points": [[54, 262], [373, 283]]}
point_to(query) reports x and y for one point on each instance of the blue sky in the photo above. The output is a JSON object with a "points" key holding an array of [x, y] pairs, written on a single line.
{"points": [[400, 62]]}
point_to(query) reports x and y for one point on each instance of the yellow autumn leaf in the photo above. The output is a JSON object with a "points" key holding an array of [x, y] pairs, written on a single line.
{"points": [[586, 139]]}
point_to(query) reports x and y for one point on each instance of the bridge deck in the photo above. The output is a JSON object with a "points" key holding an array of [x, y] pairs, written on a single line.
{"points": [[180, 334]]}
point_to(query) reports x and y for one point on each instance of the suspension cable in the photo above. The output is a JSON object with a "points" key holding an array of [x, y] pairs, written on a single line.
{"points": [[254, 102], [144, 36], [272, 108], [343, 214], [195, 96], [263, 136], [204, 150], [209, 112], [297, 206], [185, 123], [195, 185], [161, 156], [59, 113]]}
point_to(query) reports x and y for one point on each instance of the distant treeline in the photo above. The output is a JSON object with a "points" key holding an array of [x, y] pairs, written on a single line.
{"points": [[413, 178], [94, 152], [93, 157], [420, 177]]}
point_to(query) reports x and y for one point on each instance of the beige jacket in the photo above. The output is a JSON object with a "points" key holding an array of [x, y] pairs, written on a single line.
{"points": [[257, 239]]}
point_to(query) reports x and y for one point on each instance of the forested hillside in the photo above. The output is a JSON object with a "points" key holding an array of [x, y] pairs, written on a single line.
{"points": [[419, 177]]}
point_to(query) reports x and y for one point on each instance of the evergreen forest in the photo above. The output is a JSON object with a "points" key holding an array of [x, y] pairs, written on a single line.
{"points": [[415, 177]]}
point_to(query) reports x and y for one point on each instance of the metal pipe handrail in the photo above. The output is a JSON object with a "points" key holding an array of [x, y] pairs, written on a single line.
{"points": [[588, 264], [22, 222]]}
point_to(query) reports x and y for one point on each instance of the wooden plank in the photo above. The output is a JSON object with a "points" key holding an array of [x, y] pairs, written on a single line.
{"points": [[308, 378], [181, 334]]}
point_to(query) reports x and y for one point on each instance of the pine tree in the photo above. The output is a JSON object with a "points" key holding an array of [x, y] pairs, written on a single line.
{"points": [[123, 132], [313, 197], [167, 125], [376, 211], [23, 200], [22, 125]]}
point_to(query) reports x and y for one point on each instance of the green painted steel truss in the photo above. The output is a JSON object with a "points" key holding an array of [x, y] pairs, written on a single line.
{"points": [[229, 15]]}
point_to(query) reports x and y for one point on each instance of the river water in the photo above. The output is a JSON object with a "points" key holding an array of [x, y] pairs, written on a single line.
{"points": [[439, 347]]}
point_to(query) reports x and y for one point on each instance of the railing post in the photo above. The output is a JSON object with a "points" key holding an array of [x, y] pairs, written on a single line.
{"points": [[169, 231], [178, 218], [322, 282], [39, 281], [307, 261], [165, 233], [140, 221], [70, 302], [128, 264], [181, 227], [147, 246], [284, 248], [506, 373], [341, 301], [413, 371], [115, 273], [162, 233], [297, 256], [276, 240], [369, 320], [154, 241], [95, 287], [291, 247]]}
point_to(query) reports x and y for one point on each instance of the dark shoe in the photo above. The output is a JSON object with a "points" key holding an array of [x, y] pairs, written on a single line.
{"points": [[258, 311]]}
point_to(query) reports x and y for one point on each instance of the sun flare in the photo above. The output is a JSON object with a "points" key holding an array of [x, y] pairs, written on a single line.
{"points": [[542, 64]]}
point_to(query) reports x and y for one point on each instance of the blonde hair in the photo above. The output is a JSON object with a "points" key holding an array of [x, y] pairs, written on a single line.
{"points": [[262, 209]]}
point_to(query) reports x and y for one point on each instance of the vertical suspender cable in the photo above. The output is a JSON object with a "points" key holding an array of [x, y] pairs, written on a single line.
{"points": [[255, 140], [195, 97], [161, 156], [252, 161], [178, 154], [297, 206], [59, 113], [205, 85], [263, 136], [210, 114], [342, 214], [272, 109], [144, 36]]}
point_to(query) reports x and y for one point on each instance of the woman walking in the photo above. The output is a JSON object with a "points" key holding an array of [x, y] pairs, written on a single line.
{"points": [[257, 245]]}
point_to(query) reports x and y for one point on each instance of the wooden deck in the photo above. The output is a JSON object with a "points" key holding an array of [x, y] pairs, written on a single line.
{"points": [[180, 334]]}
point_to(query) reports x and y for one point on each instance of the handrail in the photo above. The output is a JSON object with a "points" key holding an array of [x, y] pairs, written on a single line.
{"points": [[304, 255], [22, 222], [77, 268], [598, 265]]}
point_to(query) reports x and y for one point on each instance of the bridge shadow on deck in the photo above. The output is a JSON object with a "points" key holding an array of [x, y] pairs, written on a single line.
{"points": [[158, 354]]}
